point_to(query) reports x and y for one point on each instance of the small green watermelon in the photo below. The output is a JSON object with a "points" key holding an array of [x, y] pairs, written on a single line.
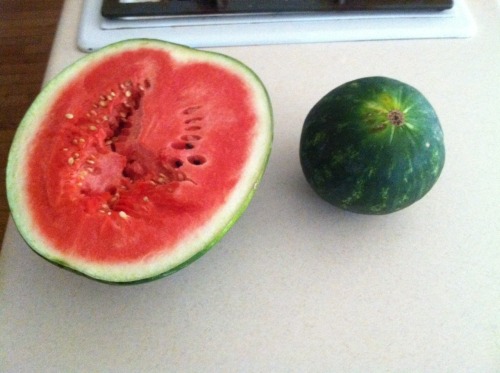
{"points": [[373, 146]]}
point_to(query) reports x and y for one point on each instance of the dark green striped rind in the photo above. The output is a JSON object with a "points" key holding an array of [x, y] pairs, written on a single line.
{"points": [[359, 153]]}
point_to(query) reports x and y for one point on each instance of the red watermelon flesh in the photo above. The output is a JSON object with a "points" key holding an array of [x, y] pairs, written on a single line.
{"points": [[138, 158]]}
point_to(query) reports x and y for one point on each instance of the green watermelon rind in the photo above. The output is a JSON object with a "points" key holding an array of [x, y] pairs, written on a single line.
{"points": [[218, 225]]}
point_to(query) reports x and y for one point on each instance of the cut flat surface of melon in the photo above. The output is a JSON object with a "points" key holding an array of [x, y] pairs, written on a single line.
{"points": [[138, 158]]}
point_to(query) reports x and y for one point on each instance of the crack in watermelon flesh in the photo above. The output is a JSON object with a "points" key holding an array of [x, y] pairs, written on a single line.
{"points": [[135, 153]]}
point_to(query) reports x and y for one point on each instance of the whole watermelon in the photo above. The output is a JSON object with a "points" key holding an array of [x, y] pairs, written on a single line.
{"points": [[373, 146]]}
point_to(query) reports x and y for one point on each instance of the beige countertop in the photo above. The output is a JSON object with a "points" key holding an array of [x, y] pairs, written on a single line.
{"points": [[297, 285]]}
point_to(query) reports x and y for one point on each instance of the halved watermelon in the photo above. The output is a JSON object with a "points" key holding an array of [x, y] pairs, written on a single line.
{"points": [[138, 158]]}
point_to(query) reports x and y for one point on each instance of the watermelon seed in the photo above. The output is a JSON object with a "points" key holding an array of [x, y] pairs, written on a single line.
{"points": [[162, 178], [125, 85], [93, 128], [145, 199], [123, 215], [191, 120], [176, 163], [191, 109], [193, 128], [113, 199], [69, 116], [71, 161], [182, 145], [190, 137], [197, 160]]}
